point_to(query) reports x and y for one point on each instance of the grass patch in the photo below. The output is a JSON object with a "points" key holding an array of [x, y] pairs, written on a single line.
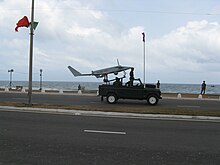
{"points": [[124, 109]]}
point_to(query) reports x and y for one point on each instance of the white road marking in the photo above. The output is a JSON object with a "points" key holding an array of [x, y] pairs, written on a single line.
{"points": [[188, 106], [105, 132]]}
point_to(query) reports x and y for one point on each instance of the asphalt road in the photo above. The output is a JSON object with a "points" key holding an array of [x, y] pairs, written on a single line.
{"points": [[31, 138], [59, 99]]}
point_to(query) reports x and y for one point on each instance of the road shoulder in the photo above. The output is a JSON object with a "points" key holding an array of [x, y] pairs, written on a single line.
{"points": [[111, 114]]}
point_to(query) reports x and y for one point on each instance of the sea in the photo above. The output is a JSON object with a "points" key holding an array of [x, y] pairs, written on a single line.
{"points": [[61, 85]]}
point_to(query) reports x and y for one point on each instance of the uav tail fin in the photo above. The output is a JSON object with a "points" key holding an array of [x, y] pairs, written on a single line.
{"points": [[74, 71]]}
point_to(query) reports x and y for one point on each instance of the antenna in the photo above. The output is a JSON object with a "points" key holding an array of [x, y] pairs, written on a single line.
{"points": [[118, 62]]}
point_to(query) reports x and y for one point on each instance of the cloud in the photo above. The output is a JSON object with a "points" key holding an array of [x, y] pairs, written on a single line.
{"points": [[90, 39], [194, 48]]}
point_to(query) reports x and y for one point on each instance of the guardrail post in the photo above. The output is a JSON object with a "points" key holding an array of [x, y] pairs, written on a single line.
{"points": [[97, 93], [200, 96], [23, 90], [179, 96], [79, 92]]}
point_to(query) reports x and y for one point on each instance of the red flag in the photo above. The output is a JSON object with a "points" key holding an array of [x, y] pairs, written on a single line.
{"points": [[22, 23]]}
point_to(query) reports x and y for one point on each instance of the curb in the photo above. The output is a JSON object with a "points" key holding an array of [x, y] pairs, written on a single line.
{"points": [[111, 114]]}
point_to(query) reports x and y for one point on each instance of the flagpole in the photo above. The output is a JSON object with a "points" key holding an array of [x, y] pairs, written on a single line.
{"points": [[144, 58], [31, 56]]}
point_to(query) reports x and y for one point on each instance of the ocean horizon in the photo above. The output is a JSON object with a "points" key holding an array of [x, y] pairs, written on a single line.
{"points": [[65, 85]]}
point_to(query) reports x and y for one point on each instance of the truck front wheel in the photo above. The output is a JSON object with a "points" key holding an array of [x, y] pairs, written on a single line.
{"points": [[111, 98], [152, 100]]}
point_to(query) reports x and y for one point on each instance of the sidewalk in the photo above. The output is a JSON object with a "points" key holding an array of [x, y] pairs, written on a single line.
{"points": [[94, 93], [190, 96]]}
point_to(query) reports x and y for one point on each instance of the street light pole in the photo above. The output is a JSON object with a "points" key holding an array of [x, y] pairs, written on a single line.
{"points": [[10, 78], [31, 56], [41, 78]]}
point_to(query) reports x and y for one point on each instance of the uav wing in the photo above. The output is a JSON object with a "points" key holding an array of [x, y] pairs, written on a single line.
{"points": [[102, 72], [77, 73], [115, 70]]}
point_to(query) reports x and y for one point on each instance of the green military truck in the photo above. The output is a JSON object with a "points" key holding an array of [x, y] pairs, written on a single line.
{"points": [[137, 91]]}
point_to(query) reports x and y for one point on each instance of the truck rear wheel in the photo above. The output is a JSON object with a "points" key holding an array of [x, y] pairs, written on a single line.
{"points": [[111, 98], [152, 100]]}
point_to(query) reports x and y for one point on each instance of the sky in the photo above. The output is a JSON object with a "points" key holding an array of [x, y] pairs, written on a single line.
{"points": [[182, 39]]}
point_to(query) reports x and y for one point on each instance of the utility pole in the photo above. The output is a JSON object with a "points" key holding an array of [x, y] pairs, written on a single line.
{"points": [[31, 55], [144, 58], [41, 75], [10, 77]]}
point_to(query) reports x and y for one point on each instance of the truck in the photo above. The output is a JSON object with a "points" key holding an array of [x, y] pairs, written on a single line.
{"points": [[133, 89], [138, 91]]}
